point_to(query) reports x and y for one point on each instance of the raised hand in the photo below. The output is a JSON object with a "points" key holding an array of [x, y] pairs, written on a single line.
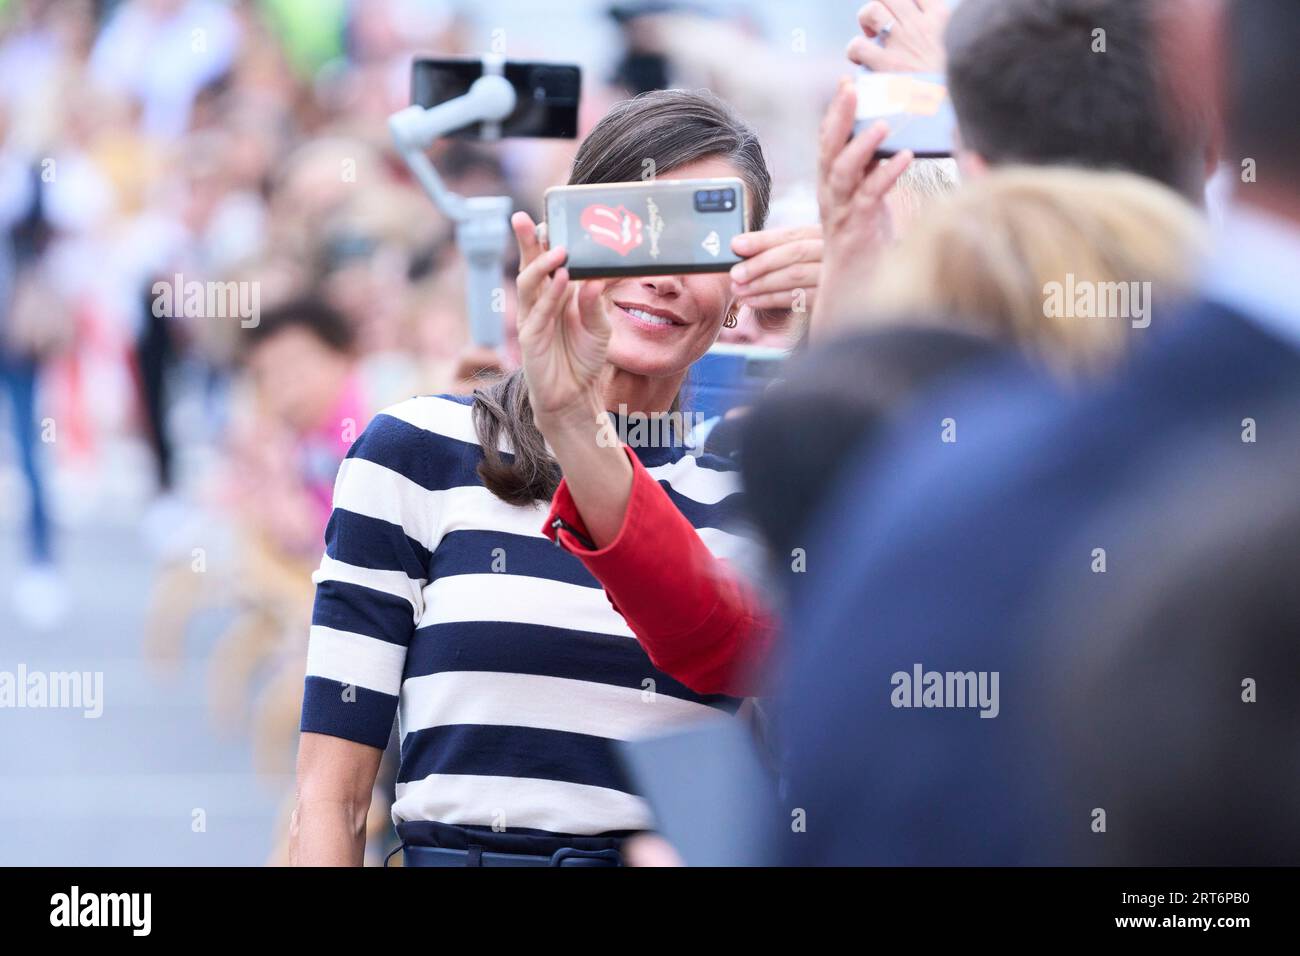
{"points": [[912, 32], [563, 332], [851, 190]]}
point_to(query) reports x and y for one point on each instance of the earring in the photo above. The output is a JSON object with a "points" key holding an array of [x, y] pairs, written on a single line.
{"points": [[732, 320]]}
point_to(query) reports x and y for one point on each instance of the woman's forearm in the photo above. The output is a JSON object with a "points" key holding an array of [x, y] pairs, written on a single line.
{"points": [[335, 780], [327, 833], [596, 468], [697, 620]]}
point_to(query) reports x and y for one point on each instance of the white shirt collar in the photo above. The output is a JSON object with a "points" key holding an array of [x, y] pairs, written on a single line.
{"points": [[1253, 270]]}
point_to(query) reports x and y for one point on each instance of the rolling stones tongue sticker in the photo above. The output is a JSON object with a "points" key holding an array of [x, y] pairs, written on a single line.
{"points": [[613, 227]]}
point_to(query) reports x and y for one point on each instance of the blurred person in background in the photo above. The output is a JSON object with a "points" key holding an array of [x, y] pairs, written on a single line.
{"points": [[307, 405], [310, 404], [985, 258], [1033, 82], [836, 397], [943, 561], [163, 52], [774, 318], [976, 264], [1172, 694], [32, 324], [1078, 83]]}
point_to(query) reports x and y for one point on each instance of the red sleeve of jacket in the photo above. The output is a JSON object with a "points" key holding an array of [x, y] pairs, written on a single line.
{"points": [[696, 619]]}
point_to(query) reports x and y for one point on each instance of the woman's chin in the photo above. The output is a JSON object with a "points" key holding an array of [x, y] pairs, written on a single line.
{"points": [[636, 362], [640, 355]]}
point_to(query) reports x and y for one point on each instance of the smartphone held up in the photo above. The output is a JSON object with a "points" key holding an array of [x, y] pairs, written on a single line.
{"points": [[917, 108], [658, 227]]}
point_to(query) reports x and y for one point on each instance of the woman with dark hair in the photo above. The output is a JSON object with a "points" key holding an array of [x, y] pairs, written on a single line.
{"points": [[513, 664]]}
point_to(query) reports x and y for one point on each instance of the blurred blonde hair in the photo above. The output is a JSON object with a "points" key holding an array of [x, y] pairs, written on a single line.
{"points": [[924, 181], [983, 258]]}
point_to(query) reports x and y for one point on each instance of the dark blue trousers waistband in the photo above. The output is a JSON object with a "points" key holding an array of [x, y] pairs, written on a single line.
{"points": [[476, 856]]}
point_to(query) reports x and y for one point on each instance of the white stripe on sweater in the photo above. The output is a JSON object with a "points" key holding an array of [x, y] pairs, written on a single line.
{"points": [[553, 805], [547, 703]]}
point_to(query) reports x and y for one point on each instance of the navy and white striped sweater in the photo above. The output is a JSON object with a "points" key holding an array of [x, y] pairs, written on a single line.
{"points": [[510, 672]]}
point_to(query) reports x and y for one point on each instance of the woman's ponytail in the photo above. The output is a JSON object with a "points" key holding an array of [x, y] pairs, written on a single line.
{"points": [[530, 474]]}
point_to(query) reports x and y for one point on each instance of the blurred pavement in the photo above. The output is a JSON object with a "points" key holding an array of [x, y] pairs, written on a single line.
{"points": [[120, 789]]}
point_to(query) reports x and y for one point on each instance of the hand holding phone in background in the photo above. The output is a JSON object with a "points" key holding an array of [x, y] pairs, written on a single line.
{"points": [[901, 36], [851, 188]]}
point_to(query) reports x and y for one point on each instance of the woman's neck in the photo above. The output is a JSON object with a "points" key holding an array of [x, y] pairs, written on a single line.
{"points": [[628, 392]]}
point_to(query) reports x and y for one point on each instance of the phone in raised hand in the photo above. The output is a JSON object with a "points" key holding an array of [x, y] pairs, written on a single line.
{"points": [[658, 227], [917, 108]]}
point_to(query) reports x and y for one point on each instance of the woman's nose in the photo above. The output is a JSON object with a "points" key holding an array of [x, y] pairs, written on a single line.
{"points": [[664, 286]]}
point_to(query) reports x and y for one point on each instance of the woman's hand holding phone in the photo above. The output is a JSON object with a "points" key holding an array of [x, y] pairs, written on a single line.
{"points": [[563, 331], [564, 337], [779, 264]]}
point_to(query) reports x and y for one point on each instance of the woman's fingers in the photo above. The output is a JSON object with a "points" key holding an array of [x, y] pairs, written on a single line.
{"points": [[903, 11], [850, 167], [797, 275], [836, 126], [762, 266], [530, 277], [883, 176], [545, 303], [548, 306], [780, 301], [591, 308], [874, 17], [525, 231], [865, 52], [754, 243]]}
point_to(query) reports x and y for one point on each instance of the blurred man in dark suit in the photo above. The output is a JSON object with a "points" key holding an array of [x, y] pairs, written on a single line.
{"points": [[937, 559]]}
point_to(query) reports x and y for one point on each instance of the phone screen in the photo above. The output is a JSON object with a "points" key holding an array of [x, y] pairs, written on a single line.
{"points": [[915, 105], [546, 94]]}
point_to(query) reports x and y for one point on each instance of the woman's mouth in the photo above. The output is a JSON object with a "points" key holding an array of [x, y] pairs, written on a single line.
{"points": [[650, 319]]}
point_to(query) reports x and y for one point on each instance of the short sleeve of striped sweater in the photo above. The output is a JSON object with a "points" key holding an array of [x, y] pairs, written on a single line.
{"points": [[369, 589]]}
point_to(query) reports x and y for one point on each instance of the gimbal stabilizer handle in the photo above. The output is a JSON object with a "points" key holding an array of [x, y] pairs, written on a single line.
{"points": [[482, 222]]}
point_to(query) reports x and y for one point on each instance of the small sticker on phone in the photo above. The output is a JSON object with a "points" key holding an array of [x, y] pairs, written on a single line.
{"points": [[614, 227]]}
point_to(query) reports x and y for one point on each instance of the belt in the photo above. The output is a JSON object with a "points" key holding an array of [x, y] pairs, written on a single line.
{"points": [[477, 856]]}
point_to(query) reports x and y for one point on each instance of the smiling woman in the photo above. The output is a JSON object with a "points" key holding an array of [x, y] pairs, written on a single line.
{"points": [[514, 665], [658, 325]]}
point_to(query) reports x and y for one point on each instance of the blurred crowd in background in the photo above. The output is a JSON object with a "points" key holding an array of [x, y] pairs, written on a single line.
{"points": [[170, 141], [179, 141]]}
